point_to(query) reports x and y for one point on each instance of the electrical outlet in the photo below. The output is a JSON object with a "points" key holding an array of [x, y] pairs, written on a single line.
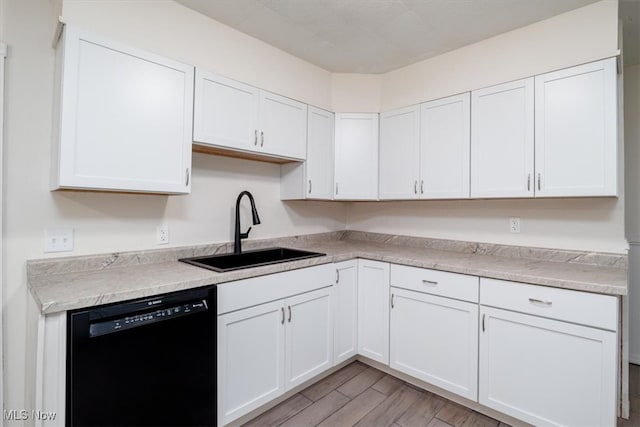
{"points": [[514, 225], [58, 240], [162, 234]]}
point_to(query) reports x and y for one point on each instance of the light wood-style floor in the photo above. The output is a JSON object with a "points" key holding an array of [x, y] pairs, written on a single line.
{"points": [[360, 395]]}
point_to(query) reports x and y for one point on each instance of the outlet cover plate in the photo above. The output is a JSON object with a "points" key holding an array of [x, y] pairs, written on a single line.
{"points": [[514, 225], [162, 234]]}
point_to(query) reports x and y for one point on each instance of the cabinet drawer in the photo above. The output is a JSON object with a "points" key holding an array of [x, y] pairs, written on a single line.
{"points": [[452, 285], [583, 308]]}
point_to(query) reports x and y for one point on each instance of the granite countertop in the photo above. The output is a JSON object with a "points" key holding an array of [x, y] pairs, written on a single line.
{"points": [[76, 282]]}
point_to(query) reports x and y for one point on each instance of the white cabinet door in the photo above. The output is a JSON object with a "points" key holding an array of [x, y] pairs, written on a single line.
{"points": [[251, 359], [283, 126], [502, 140], [373, 310], [125, 118], [319, 162], [435, 339], [345, 311], [225, 112], [400, 153], [547, 372], [576, 131], [309, 336], [356, 156], [445, 148]]}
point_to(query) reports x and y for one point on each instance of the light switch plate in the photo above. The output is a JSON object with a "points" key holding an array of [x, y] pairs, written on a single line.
{"points": [[58, 240]]}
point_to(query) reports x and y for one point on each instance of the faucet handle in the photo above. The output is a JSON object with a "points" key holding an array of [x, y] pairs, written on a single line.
{"points": [[245, 235]]}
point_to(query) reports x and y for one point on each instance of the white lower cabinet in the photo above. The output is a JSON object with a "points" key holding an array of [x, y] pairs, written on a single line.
{"points": [[270, 348], [546, 371], [435, 339], [345, 311], [373, 310]]}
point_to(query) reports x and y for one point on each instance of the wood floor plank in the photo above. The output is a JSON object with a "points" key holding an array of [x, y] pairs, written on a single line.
{"points": [[392, 408], [438, 423], [387, 385], [477, 419], [453, 414], [355, 410], [422, 411], [360, 382], [315, 413], [282, 412], [333, 381]]}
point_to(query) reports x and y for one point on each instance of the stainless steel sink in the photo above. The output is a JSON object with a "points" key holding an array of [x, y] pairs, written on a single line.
{"points": [[247, 259]]}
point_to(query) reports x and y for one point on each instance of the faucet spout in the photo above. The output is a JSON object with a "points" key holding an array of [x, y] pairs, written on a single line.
{"points": [[238, 236]]}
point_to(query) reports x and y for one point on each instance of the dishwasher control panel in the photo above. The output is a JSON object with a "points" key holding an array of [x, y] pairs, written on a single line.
{"points": [[116, 325]]}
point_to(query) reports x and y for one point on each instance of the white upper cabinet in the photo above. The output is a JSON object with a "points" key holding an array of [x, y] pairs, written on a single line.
{"points": [[283, 126], [502, 140], [225, 112], [356, 156], [123, 120], [400, 153], [444, 148], [312, 179], [234, 117], [576, 131]]}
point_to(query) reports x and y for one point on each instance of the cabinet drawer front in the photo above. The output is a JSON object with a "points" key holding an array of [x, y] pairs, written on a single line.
{"points": [[584, 308], [442, 283], [258, 290]]}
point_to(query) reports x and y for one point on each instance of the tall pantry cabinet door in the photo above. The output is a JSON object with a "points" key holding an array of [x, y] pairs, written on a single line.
{"points": [[502, 140], [225, 112], [283, 126], [309, 336], [250, 359], [319, 162], [345, 311], [547, 372], [124, 118], [399, 153], [576, 131], [356, 156], [373, 310], [445, 148]]}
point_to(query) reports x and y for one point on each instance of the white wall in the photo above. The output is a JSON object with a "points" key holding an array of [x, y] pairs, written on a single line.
{"points": [[632, 149], [575, 37], [356, 93], [578, 36], [119, 222]]}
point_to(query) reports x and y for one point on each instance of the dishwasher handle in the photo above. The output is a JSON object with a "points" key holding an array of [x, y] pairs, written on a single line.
{"points": [[105, 327]]}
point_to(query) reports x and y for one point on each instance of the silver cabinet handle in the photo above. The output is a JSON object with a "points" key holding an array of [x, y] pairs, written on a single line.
{"points": [[538, 181], [255, 137], [392, 306], [429, 282], [422, 186], [186, 178], [483, 322], [309, 186], [262, 139], [541, 302], [529, 182], [415, 187], [336, 188], [337, 276], [282, 308], [289, 313]]}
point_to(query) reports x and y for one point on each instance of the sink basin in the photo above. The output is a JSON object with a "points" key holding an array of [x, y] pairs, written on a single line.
{"points": [[247, 259]]}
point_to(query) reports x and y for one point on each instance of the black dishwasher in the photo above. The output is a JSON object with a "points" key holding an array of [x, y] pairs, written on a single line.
{"points": [[148, 362]]}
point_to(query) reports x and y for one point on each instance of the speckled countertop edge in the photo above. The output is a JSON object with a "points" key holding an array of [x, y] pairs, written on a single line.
{"points": [[79, 282]]}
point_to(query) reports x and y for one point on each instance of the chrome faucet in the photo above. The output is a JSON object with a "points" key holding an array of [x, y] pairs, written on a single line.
{"points": [[237, 246]]}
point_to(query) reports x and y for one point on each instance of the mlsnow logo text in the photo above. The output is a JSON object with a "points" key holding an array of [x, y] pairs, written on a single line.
{"points": [[24, 415]]}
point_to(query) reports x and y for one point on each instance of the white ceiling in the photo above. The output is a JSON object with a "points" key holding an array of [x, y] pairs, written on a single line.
{"points": [[376, 36]]}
